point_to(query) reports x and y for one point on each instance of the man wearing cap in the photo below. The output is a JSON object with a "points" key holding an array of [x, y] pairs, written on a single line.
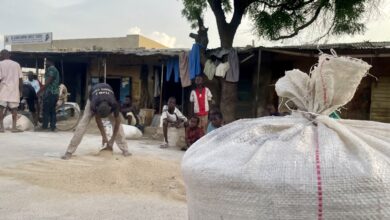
{"points": [[101, 104]]}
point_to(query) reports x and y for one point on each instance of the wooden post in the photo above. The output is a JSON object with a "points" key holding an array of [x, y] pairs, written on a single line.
{"points": [[105, 69], [257, 82], [62, 70], [161, 86], [36, 67]]}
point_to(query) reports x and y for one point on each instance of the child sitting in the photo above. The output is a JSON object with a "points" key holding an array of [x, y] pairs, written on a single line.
{"points": [[216, 121], [193, 132]]}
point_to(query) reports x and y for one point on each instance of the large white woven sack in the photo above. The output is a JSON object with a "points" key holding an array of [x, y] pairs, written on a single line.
{"points": [[22, 123], [302, 166], [131, 132]]}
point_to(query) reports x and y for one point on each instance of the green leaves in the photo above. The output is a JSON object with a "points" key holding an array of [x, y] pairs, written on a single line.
{"points": [[279, 19], [194, 9], [347, 15]]}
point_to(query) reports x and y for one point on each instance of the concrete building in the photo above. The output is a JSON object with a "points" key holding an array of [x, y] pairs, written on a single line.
{"points": [[136, 72], [93, 44]]}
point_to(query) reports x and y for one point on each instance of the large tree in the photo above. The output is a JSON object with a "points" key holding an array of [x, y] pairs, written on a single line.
{"points": [[276, 20]]}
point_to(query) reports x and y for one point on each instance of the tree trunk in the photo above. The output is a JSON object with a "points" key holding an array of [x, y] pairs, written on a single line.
{"points": [[229, 90], [226, 35], [228, 101], [227, 32]]}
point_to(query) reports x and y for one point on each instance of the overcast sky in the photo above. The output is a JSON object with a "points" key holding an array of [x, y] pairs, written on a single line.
{"points": [[160, 20]]}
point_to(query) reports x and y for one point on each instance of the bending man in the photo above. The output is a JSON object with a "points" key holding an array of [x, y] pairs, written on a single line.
{"points": [[101, 104]]}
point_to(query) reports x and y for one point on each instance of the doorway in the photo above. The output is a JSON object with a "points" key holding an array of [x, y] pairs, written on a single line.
{"points": [[115, 83]]}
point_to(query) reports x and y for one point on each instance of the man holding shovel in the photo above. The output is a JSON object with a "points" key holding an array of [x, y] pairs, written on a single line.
{"points": [[101, 104]]}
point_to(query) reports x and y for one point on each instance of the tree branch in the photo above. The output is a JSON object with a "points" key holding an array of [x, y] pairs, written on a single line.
{"points": [[296, 31], [239, 9], [216, 7]]}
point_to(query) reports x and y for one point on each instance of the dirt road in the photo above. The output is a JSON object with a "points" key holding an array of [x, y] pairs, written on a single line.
{"points": [[36, 184]]}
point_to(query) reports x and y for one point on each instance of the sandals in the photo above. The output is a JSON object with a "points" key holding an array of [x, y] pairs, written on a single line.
{"points": [[16, 130]]}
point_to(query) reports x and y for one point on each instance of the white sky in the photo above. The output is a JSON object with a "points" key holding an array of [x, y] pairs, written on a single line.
{"points": [[156, 19]]}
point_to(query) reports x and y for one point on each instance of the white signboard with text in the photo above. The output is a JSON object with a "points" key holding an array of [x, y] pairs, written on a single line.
{"points": [[40, 38]]}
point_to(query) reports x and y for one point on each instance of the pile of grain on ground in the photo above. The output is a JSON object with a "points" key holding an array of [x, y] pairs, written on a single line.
{"points": [[105, 173]]}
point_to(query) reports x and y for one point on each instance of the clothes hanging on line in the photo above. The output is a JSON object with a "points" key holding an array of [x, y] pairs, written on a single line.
{"points": [[172, 65], [221, 70], [209, 69], [233, 74], [184, 71], [194, 61]]}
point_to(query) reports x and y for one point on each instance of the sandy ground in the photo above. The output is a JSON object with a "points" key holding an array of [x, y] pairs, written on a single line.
{"points": [[36, 184]]}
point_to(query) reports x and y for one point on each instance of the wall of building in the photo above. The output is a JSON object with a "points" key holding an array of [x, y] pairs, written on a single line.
{"points": [[380, 89], [148, 43], [95, 44], [369, 101], [116, 69], [380, 100]]}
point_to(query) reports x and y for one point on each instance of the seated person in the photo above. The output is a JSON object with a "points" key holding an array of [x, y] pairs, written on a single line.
{"points": [[216, 121], [193, 132], [126, 106], [272, 111], [131, 113], [171, 118]]}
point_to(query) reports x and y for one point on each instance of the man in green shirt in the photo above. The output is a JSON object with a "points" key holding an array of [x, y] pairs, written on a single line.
{"points": [[50, 95]]}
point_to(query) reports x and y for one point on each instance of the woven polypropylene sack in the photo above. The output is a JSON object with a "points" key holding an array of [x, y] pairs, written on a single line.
{"points": [[22, 123], [302, 166], [131, 132]]}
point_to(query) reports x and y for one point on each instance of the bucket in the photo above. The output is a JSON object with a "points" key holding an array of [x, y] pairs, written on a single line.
{"points": [[147, 116], [176, 137]]}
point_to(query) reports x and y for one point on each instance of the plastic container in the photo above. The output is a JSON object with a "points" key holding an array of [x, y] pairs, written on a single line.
{"points": [[147, 116]]}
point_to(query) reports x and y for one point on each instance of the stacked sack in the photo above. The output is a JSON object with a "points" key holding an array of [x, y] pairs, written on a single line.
{"points": [[303, 166]]}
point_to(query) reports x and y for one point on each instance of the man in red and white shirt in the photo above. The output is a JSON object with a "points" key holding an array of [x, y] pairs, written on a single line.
{"points": [[11, 84], [200, 98]]}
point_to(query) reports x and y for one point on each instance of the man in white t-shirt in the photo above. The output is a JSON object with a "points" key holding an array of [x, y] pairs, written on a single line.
{"points": [[33, 82], [172, 117], [11, 84]]}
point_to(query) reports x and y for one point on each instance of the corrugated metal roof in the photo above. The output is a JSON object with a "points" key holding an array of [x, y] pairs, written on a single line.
{"points": [[176, 51], [136, 52], [358, 45]]}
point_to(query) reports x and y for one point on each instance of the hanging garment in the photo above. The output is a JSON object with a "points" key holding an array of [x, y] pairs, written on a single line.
{"points": [[173, 65], [194, 61], [184, 71], [209, 69], [233, 74], [156, 83], [221, 70]]}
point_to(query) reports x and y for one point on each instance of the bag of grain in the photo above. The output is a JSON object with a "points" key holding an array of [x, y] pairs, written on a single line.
{"points": [[303, 166], [22, 123], [131, 132]]}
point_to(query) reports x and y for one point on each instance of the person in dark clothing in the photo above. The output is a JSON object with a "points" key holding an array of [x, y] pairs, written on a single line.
{"points": [[31, 98], [101, 104], [130, 113], [272, 111], [50, 96]]}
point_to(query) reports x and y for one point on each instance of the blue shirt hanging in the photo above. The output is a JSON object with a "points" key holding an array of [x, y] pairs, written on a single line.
{"points": [[173, 65], [194, 61]]}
